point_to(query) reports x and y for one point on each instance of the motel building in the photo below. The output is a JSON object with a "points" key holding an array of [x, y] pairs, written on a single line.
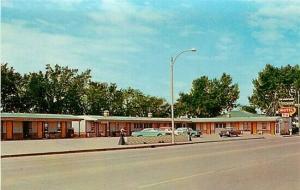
{"points": [[247, 123], [17, 126]]}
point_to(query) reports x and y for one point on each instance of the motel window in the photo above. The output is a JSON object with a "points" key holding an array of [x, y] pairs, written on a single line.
{"points": [[264, 126], [246, 126], [138, 126], [148, 125], [46, 127], [51, 127], [220, 125], [90, 128], [69, 125], [3, 127], [58, 127]]}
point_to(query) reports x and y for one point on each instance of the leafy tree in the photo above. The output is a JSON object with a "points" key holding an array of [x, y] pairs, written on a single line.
{"points": [[138, 104], [272, 84], [11, 86], [58, 90], [66, 89], [159, 107], [96, 96], [208, 98], [249, 109], [115, 100], [134, 103], [34, 93]]}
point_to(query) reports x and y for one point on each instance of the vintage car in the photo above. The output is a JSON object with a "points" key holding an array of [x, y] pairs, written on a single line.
{"points": [[167, 130], [187, 131], [229, 132], [148, 132]]}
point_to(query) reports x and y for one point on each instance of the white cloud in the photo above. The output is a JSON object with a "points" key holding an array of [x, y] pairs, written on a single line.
{"points": [[58, 4], [190, 30], [6, 3], [226, 48], [119, 18], [29, 50], [271, 20], [276, 27]]}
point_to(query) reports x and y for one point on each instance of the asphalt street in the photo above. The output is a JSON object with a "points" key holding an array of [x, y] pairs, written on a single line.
{"points": [[254, 164]]}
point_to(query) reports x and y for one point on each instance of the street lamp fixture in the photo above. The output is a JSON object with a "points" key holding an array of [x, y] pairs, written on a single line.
{"points": [[173, 60]]}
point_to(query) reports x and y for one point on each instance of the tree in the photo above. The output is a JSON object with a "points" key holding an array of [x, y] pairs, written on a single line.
{"points": [[58, 90], [208, 98], [66, 91], [34, 93], [138, 104], [249, 109], [97, 95], [272, 84], [11, 86]]}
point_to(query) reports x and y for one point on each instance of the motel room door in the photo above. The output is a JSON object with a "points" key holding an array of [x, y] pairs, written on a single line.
{"points": [[253, 128], [9, 130], [208, 128], [272, 128], [98, 129], [27, 129]]}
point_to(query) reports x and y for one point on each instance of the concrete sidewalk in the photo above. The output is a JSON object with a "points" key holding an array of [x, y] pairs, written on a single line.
{"points": [[60, 146]]}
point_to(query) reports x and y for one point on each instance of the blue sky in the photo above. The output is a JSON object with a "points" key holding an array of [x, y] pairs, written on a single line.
{"points": [[130, 42]]}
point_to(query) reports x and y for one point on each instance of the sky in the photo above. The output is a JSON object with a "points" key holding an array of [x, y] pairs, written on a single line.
{"points": [[130, 43]]}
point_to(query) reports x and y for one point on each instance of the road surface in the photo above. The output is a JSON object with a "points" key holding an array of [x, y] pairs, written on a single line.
{"points": [[256, 164]]}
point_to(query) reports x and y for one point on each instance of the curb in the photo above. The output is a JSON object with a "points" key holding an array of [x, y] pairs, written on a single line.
{"points": [[290, 135], [122, 148]]}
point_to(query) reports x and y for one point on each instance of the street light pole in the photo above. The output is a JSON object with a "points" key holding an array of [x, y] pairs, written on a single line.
{"points": [[172, 89], [298, 92]]}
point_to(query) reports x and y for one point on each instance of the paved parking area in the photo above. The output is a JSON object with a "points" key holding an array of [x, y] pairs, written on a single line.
{"points": [[60, 145]]}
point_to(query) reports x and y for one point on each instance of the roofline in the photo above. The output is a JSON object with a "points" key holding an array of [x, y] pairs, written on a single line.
{"points": [[31, 116], [39, 116], [234, 119]]}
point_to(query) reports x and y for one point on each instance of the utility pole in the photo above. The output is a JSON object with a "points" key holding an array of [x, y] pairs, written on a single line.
{"points": [[298, 105]]}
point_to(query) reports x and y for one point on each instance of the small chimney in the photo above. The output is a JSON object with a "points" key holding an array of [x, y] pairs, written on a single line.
{"points": [[106, 113], [149, 114]]}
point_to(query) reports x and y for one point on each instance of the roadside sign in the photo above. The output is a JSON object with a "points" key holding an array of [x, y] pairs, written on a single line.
{"points": [[286, 102], [287, 110], [285, 115]]}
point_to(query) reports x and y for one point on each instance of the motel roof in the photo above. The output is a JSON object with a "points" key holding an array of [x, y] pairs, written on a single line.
{"points": [[233, 119], [236, 116], [132, 119], [38, 116], [240, 113]]}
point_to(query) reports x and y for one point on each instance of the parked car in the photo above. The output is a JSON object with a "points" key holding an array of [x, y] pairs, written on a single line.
{"points": [[167, 130], [148, 132], [229, 131], [186, 130]]}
